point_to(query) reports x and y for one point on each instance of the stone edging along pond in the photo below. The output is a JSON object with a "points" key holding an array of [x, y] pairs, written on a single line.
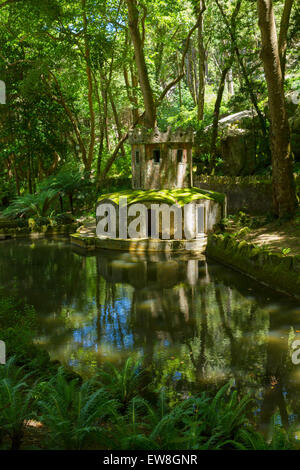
{"points": [[7, 233], [273, 269]]}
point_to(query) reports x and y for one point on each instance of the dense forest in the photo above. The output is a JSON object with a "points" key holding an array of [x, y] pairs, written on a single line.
{"points": [[79, 74]]}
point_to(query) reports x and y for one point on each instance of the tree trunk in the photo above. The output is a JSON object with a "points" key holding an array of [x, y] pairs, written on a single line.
{"points": [[179, 83], [284, 26], [150, 108], [71, 202], [117, 121], [16, 174], [284, 197], [131, 93], [230, 84], [217, 113], [61, 202], [202, 60], [90, 90]]}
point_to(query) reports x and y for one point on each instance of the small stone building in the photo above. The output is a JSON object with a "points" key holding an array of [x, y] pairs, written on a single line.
{"points": [[161, 160]]}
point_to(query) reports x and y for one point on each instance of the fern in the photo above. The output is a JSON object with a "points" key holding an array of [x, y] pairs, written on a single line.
{"points": [[75, 413], [16, 402], [37, 205], [123, 383]]}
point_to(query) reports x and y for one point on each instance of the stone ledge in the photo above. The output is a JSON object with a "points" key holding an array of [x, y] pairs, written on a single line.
{"points": [[275, 270], [46, 231], [140, 245]]}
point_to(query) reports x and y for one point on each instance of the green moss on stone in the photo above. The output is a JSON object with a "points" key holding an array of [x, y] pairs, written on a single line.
{"points": [[278, 271], [168, 196]]}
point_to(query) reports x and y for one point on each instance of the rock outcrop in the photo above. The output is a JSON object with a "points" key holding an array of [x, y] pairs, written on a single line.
{"points": [[240, 138]]}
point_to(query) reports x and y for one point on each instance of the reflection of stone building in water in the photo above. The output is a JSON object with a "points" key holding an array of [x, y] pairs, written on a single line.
{"points": [[150, 272], [162, 292]]}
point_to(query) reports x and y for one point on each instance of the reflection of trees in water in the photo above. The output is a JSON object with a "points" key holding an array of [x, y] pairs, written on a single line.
{"points": [[204, 329], [189, 321], [48, 275]]}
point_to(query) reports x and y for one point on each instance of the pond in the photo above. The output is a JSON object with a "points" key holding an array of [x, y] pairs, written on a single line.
{"points": [[193, 323]]}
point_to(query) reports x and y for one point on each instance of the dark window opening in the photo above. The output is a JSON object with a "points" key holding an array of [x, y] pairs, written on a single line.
{"points": [[137, 157], [149, 212], [179, 156], [156, 155]]}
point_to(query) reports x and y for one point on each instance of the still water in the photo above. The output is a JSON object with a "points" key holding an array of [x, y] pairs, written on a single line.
{"points": [[194, 323]]}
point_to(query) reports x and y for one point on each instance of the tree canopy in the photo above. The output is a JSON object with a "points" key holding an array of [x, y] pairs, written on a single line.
{"points": [[79, 74]]}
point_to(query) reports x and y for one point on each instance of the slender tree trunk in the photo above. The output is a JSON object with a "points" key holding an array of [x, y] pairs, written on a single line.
{"points": [[71, 202], [90, 90], [104, 93], [230, 85], [16, 441], [117, 121], [284, 198], [101, 132], [179, 83], [215, 126], [284, 26], [202, 60], [61, 202], [150, 108], [16, 174]]}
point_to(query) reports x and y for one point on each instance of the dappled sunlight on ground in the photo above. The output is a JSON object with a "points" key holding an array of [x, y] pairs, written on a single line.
{"points": [[277, 237]]}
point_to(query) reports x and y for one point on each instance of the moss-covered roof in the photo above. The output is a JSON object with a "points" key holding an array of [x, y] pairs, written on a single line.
{"points": [[168, 196]]}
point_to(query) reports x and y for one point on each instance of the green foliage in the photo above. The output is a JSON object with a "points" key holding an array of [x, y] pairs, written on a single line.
{"points": [[73, 413], [88, 415], [279, 438], [37, 205], [16, 402], [202, 422], [68, 180], [49, 124], [17, 326], [122, 383]]}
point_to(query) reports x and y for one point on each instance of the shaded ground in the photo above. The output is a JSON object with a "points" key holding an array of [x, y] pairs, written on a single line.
{"points": [[278, 238], [276, 235]]}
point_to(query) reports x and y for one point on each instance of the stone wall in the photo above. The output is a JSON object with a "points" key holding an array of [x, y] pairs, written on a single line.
{"points": [[276, 270], [251, 194], [245, 194]]}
